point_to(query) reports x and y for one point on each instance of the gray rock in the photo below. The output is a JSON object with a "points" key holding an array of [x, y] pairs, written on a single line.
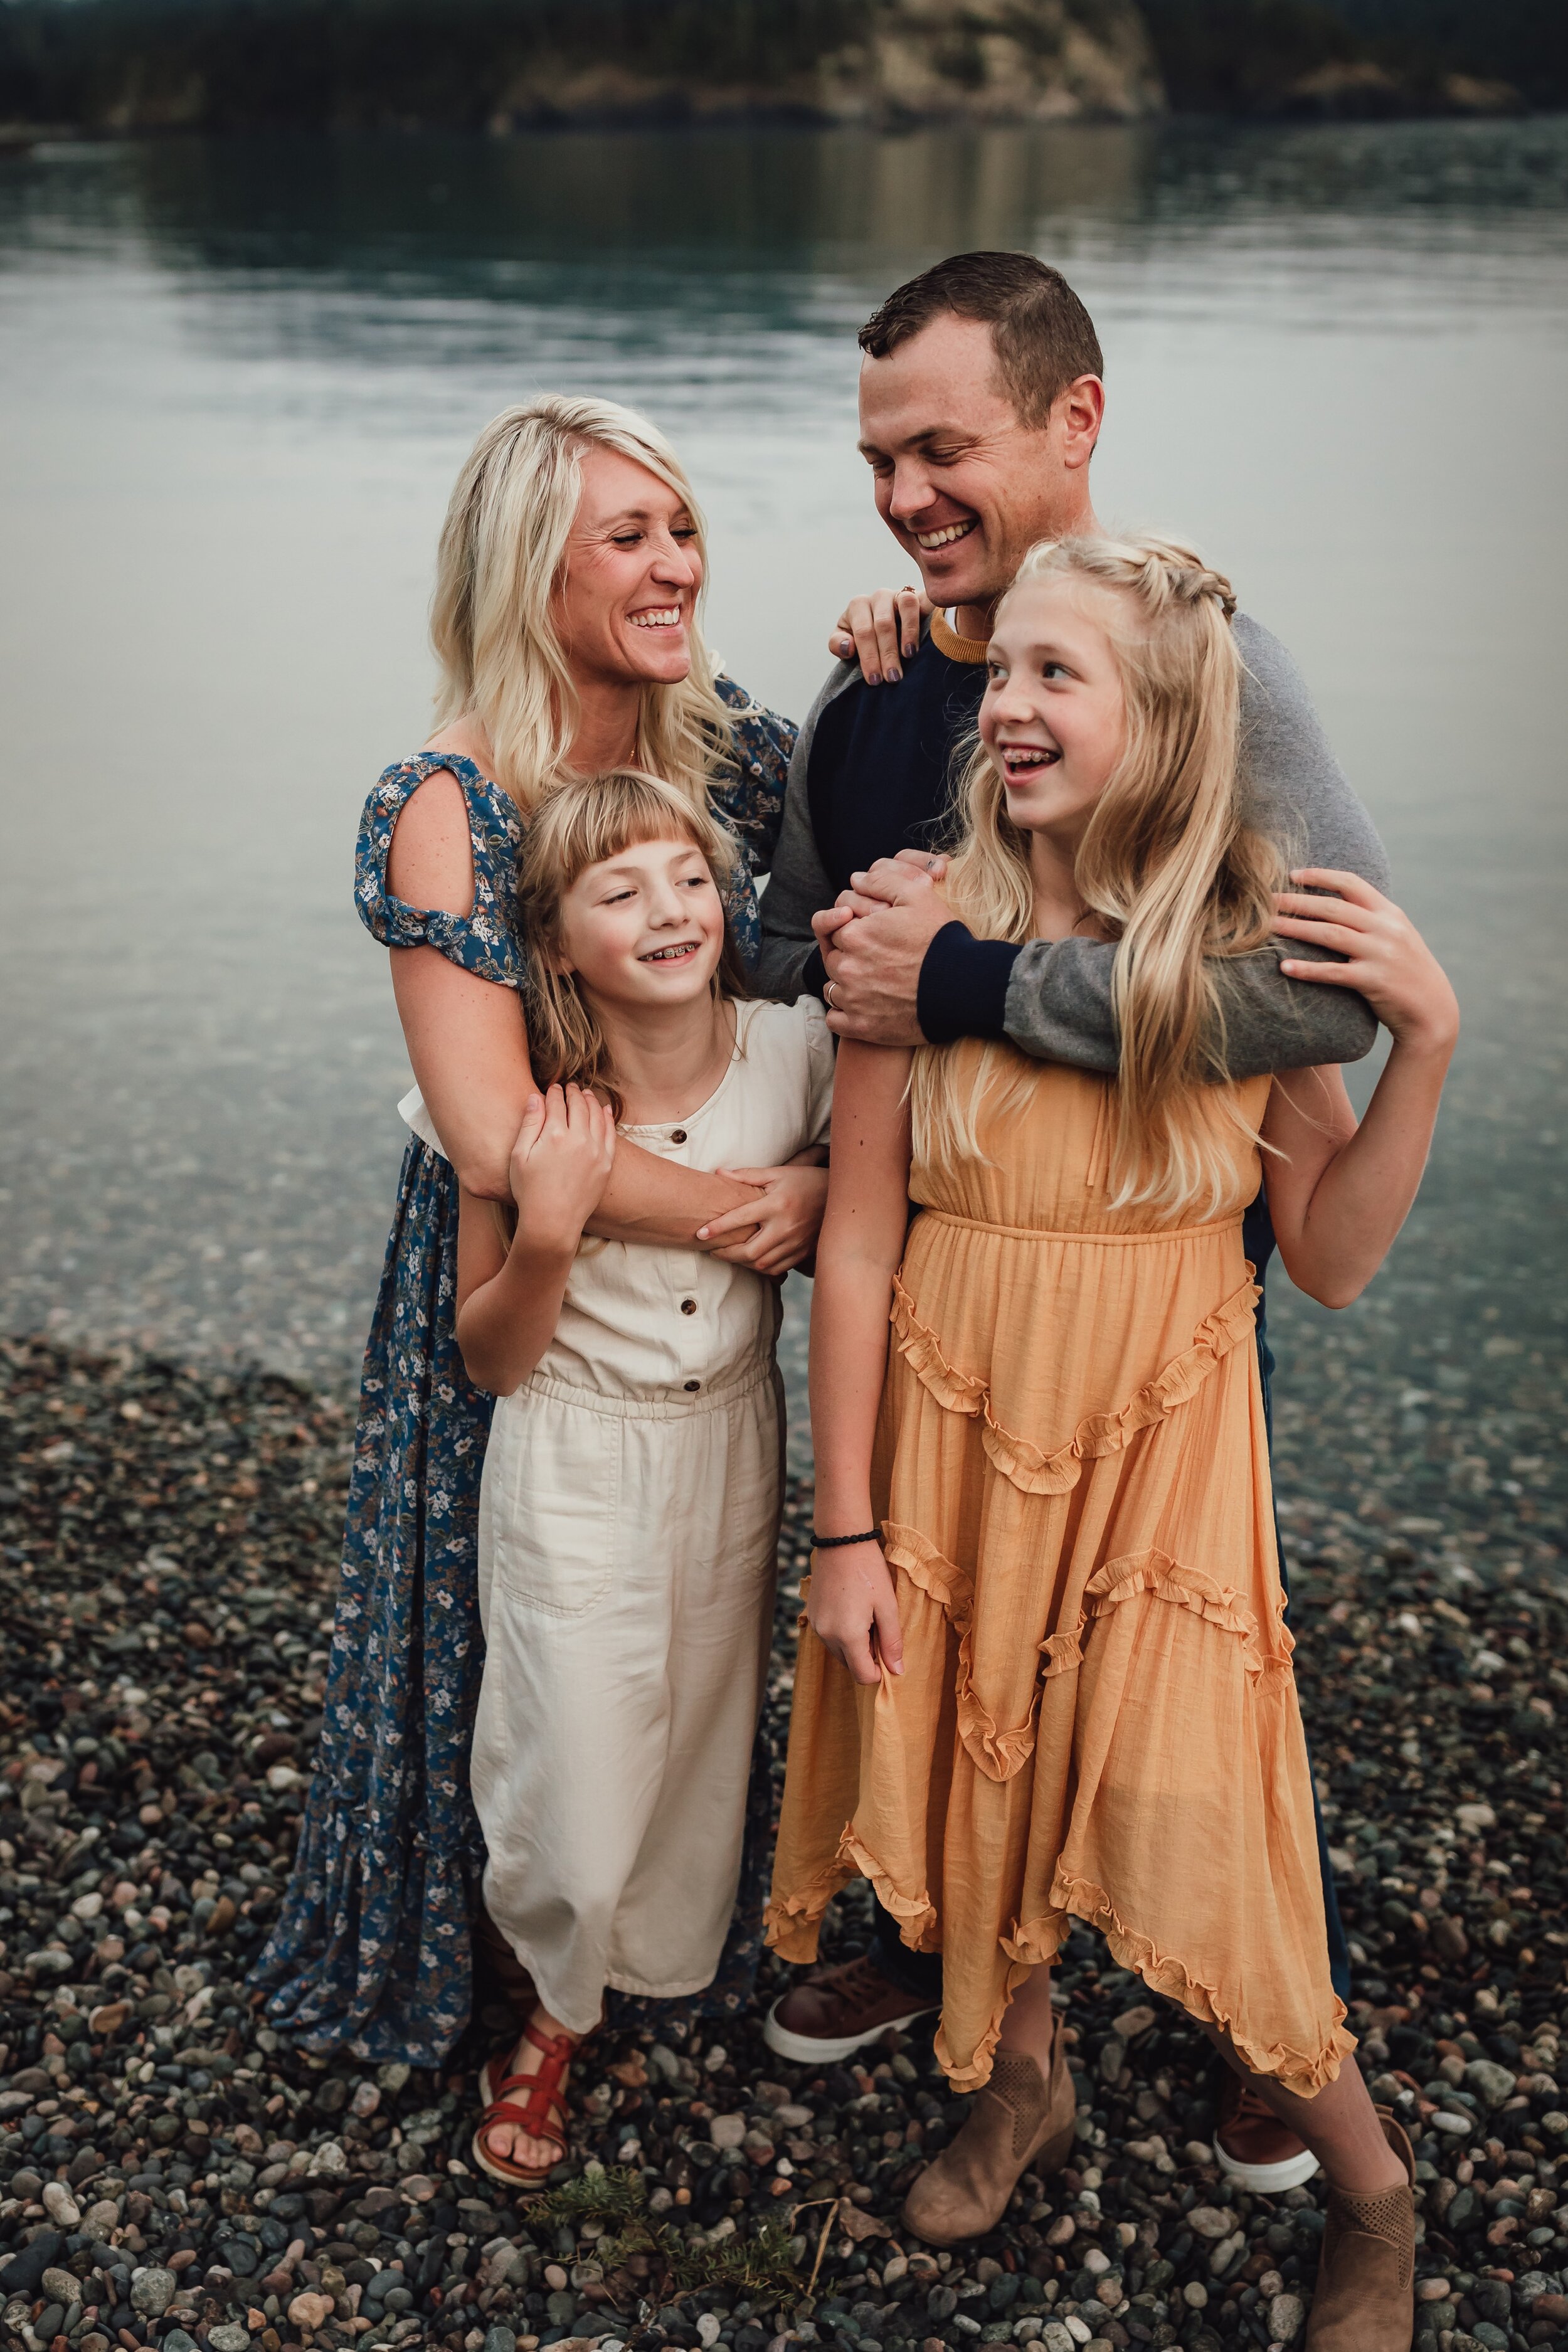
{"points": [[1287, 2318], [1490, 2081], [228, 2336], [153, 2292], [60, 2286], [500, 2339]]}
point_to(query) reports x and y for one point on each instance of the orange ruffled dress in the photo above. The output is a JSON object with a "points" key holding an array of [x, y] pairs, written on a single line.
{"points": [[1098, 1717]]}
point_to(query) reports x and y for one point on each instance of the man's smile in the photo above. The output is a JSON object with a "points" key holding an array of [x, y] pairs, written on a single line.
{"points": [[945, 534]]}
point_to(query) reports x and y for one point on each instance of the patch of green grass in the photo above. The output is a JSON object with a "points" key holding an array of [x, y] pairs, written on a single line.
{"points": [[760, 2266], [600, 2194]]}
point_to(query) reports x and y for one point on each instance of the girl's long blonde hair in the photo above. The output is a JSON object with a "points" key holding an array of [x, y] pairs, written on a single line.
{"points": [[1167, 865], [493, 619], [579, 824]]}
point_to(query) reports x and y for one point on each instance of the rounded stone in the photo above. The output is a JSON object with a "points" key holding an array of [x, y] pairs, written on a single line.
{"points": [[1287, 2318], [153, 2292]]}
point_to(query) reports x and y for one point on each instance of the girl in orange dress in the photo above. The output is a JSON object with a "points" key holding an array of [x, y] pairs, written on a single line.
{"points": [[1046, 1674]]}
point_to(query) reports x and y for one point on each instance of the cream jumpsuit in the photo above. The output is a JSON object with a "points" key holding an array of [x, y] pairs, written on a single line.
{"points": [[628, 1526]]}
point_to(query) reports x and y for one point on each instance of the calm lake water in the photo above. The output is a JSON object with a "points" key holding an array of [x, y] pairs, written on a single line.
{"points": [[237, 379]]}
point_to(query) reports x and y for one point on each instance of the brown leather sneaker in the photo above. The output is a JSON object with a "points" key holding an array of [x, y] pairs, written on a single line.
{"points": [[1019, 2120], [1366, 2272], [836, 2011], [1255, 2149]]}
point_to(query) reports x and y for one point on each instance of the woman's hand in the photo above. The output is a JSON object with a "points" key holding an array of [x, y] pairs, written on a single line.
{"points": [[1387, 961], [879, 629], [852, 1610], [778, 1227], [560, 1166]]}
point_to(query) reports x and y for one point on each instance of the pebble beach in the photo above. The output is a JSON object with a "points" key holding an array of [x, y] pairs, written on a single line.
{"points": [[173, 2175]]}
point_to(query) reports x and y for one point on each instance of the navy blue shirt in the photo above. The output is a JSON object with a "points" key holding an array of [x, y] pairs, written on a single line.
{"points": [[885, 758]]}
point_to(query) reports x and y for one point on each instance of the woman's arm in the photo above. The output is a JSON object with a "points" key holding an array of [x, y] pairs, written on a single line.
{"points": [[851, 1604], [1337, 1195], [509, 1300], [470, 1051]]}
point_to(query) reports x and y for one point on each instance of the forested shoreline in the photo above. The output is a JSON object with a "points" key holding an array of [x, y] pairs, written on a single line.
{"points": [[119, 66]]}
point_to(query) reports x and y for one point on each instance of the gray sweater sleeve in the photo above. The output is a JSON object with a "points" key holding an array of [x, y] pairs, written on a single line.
{"points": [[1058, 996], [798, 885]]}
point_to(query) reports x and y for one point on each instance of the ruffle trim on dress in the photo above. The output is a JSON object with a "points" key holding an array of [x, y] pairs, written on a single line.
{"points": [[791, 1922], [1029, 1468], [1171, 1581], [1304, 2072], [916, 1914], [999, 1754]]}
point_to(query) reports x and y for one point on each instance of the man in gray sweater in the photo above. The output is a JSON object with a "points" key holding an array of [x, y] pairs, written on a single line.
{"points": [[981, 402]]}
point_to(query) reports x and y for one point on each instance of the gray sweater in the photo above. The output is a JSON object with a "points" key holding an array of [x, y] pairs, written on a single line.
{"points": [[1058, 1002]]}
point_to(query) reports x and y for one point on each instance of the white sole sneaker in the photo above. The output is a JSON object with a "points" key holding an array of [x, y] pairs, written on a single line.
{"points": [[809, 2050], [1266, 2179]]}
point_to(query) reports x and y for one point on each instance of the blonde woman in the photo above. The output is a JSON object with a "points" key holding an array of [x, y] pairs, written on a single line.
{"points": [[566, 623], [1046, 1676], [628, 1520]]}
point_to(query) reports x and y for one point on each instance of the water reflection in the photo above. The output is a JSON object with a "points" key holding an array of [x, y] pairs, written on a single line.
{"points": [[236, 378]]}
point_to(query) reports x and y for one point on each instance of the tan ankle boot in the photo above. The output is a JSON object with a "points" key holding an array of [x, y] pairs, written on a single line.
{"points": [[1365, 2297], [1019, 2120]]}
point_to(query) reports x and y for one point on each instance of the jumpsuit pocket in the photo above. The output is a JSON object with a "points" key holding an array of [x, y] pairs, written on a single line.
{"points": [[555, 1503]]}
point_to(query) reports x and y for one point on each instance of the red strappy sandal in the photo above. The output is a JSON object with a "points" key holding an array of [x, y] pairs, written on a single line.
{"points": [[541, 2114]]}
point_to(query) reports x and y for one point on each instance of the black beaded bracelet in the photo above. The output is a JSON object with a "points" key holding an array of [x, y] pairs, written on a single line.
{"points": [[832, 1543]]}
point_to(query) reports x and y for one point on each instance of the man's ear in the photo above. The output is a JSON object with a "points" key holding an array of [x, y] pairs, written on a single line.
{"points": [[1078, 417]]}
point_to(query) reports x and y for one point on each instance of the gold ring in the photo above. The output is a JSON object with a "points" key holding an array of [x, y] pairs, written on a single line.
{"points": [[827, 988]]}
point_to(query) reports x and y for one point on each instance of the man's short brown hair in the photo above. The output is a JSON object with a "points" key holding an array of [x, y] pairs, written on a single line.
{"points": [[1043, 337]]}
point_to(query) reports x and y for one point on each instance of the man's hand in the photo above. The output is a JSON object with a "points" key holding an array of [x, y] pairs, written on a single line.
{"points": [[777, 1229], [873, 944], [881, 632]]}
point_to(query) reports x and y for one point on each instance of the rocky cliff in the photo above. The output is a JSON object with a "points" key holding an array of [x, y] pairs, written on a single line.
{"points": [[128, 66], [906, 61]]}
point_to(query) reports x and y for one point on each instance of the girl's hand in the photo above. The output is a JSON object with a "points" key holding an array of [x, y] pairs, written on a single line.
{"points": [[875, 630], [1387, 961], [852, 1610], [560, 1166], [776, 1230]]}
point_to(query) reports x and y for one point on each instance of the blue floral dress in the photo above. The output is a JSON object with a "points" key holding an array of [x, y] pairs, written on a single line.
{"points": [[371, 1951]]}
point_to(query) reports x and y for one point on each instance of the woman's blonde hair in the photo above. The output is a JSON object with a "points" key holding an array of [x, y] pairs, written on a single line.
{"points": [[580, 823], [493, 616], [1166, 864]]}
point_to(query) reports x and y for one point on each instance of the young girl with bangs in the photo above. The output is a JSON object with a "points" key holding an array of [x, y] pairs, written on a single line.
{"points": [[629, 1506], [1046, 1676]]}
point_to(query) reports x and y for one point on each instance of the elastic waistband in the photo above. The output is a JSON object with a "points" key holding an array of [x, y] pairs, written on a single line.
{"points": [[1096, 1240], [662, 1404]]}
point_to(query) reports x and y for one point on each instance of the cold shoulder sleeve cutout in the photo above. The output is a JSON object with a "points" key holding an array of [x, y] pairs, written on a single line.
{"points": [[483, 942]]}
